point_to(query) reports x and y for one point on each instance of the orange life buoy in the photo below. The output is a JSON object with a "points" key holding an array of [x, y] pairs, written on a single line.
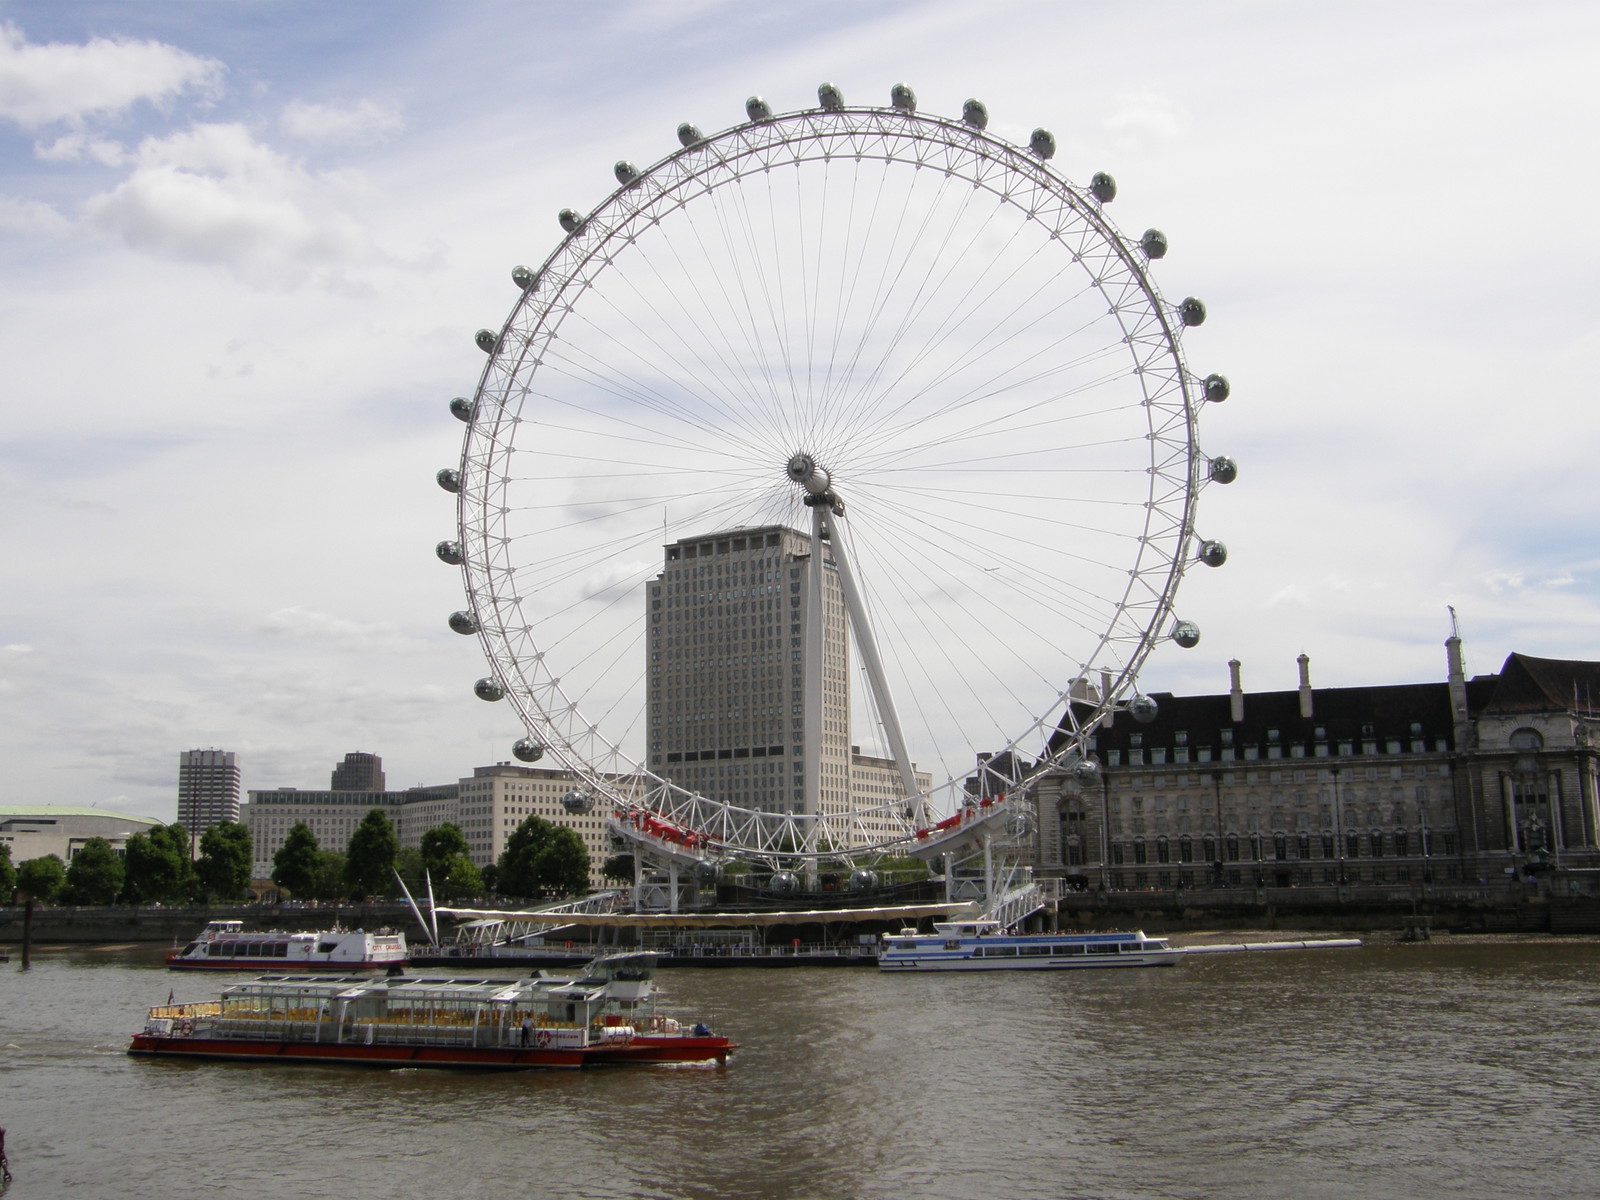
{"points": [[544, 1037]]}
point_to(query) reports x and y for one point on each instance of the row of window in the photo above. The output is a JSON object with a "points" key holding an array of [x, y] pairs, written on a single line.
{"points": [[1376, 844], [1296, 877]]}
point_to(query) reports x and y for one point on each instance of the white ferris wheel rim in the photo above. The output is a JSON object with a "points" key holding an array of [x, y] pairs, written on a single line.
{"points": [[1016, 178]]}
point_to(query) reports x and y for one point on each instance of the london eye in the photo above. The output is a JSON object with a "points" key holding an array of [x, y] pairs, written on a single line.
{"points": [[924, 356]]}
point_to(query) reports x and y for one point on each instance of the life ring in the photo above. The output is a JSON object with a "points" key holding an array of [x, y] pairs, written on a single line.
{"points": [[185, 1027], [544, 1038], [569, 945]]}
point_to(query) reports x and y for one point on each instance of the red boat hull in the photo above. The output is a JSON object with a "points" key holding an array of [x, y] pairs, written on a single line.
{"points": [[277, 965], [642, 1050]]}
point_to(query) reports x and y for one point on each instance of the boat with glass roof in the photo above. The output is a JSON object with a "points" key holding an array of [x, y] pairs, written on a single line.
{"points": [[604, 1014], [226, 946], [987, 946]]}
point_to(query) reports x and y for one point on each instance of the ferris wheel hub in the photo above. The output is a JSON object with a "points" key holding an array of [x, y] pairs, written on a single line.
{"points": [[803, 469]]}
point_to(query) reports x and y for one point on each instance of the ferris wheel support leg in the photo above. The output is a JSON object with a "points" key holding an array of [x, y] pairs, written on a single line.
{"points": [[672, 887], [868, 646], [949, 879], [988, 870], [813, 681]]}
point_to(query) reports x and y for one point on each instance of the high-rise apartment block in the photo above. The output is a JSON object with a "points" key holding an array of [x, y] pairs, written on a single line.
{"points": [[727, 624], [208, 789], [726, 682]]}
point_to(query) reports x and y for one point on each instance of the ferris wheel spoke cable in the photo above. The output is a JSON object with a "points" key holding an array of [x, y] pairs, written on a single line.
{"points": [[868, 393], [605, 372], [712, 333], [981, 350], [764, 317], [1003, 614], [987, 541], [844, 312], [891, 290]]}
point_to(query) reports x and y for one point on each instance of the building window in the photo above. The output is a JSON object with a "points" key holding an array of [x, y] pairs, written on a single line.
{"points": [[1352, 845], [1377, 845], [1185, 849], [1163, 851], [1233, 847], [1138, 850], [1401, 843], [1280, 847]]}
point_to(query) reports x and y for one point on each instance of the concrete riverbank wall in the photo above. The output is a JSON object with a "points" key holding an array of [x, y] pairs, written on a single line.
{"points": [[169, 925], [1245, 909]]}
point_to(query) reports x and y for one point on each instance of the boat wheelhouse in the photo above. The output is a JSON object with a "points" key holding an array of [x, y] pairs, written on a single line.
{"points": [[602, 1015], [986, 946], [225, 946]]}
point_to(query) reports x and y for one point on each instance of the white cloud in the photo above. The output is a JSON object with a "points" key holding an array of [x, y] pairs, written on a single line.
{"points": [[361, 124], [304, 623], [80, 147], [30, 217], [57, 82], [1144, 120], [213, 194]]}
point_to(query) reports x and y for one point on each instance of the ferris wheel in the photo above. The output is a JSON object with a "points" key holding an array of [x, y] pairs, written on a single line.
{"points": [[915, 346]]}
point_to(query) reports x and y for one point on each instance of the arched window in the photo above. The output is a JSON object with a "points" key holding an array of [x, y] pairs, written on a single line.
{"points": [[1163, 852], [1185, 849], [1527, 739], [1233, 847], [1139, 854]]}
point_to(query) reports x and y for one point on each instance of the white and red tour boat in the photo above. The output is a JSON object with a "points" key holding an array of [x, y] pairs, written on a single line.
{"points": [[225, 946], [601, 1016], [986, 946]]}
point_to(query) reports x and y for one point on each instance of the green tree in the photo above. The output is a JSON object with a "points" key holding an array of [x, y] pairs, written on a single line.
{"points": [[294, 866], [94, 876], [409, 866], [564, 864], [42, 878], [226, 856], [8, 875], [441, 844], [329, 881], [156, 867], [618, 868], [541, 858], [369, 859], [449, 864]]}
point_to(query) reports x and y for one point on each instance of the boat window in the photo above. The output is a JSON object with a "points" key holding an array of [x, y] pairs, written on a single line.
{"points": [[1033, 950], [1111, 949], [1070, 950], [327, 947], [905, 945]]}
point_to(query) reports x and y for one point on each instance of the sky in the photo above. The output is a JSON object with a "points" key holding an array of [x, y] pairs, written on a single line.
{"points": [[245, 246]]}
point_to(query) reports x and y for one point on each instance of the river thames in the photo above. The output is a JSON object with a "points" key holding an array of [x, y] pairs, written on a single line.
{"points": [[1414, 1072]]}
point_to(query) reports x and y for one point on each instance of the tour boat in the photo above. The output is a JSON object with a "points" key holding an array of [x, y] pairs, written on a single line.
{"points": [[986, 946], [603, 1015], [225, 946]]}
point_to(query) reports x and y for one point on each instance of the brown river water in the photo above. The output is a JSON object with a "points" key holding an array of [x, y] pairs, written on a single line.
{"points": [[1414, 1072]]}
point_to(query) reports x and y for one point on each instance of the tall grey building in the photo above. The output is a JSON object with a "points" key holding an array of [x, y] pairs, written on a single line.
{"points": [[726, 628], [208, 789], [358, 773]]}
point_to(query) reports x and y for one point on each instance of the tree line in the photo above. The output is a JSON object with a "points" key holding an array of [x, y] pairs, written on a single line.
{"points": [[541, 860], [154, 868]]}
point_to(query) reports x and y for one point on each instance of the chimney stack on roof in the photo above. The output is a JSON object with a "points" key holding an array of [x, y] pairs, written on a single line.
{"points": [[1305, 686], [1235, 692]]}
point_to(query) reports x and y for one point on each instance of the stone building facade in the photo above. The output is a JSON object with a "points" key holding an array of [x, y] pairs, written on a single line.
{"points": [[1459, 781]]}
